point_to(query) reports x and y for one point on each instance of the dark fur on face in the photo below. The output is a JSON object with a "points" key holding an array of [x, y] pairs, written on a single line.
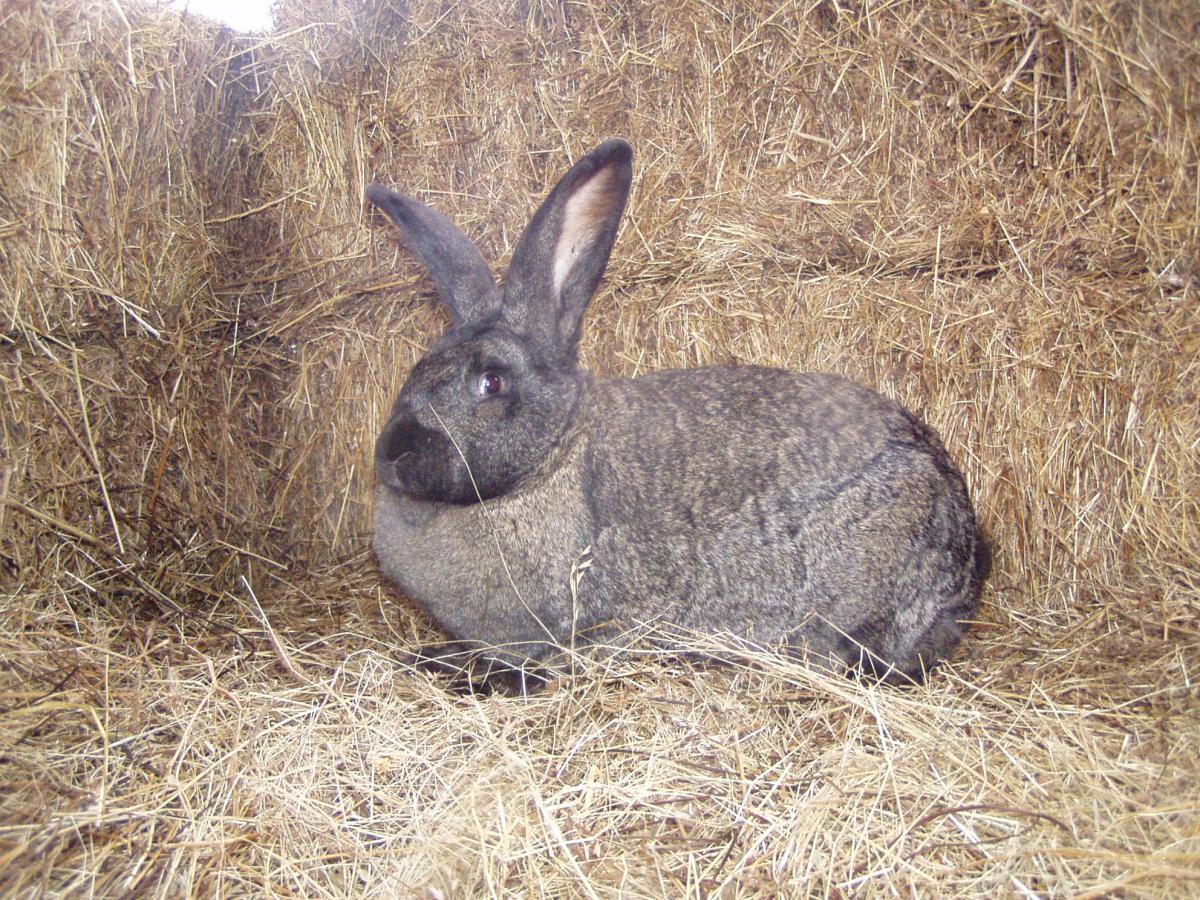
{"points": [[448, 441]]}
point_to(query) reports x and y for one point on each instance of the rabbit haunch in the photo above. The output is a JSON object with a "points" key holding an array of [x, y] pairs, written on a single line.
{"points": [[528, 507]]}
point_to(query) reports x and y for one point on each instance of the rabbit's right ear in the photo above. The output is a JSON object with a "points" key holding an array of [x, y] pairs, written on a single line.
{"points": [[463, 279]]}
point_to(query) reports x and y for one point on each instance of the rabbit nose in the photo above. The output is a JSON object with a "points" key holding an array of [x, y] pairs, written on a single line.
{"points": [[395, 443]]}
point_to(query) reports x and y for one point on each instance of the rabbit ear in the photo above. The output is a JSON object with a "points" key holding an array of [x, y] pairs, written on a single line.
{"points": [[562, 254], [463, 279]]}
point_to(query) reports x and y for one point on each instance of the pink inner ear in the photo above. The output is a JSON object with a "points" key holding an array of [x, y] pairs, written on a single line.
{"points": [[583, 217]]}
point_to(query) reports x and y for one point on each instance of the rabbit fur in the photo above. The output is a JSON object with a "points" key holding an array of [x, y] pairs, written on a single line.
{"points": [[528, 506]]}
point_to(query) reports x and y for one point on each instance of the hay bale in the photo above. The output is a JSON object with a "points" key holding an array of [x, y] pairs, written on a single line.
{"points": [[985, 210], [129, 406]]}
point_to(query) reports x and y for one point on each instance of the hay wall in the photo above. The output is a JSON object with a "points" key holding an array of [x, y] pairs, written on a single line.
{"points": [[781, 162], [987, 212], [130, 413]]}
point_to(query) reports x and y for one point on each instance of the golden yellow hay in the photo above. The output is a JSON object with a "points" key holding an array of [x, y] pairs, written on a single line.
{"points": [[987, 210]]}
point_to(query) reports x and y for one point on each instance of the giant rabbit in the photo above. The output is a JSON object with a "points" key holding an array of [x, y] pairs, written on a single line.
{"points": [[529, 506]]}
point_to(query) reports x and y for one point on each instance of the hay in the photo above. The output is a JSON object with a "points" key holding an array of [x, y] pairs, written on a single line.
{"points": [[988, 211]]}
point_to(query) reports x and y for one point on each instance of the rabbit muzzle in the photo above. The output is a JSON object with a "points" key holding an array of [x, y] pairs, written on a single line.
{"points": [[413, 459]]}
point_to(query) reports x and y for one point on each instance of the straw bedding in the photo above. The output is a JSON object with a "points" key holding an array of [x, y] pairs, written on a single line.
{"points": [[988, 211]]}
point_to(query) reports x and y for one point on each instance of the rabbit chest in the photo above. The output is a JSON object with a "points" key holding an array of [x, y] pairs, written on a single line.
{"points": [[499, 571]]}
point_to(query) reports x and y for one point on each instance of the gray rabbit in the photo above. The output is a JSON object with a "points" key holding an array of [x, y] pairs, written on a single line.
{"points": [[528, 506]]}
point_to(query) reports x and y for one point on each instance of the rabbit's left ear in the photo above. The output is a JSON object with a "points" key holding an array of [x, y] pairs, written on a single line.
{"points": [[562, 254], [462, 278]]}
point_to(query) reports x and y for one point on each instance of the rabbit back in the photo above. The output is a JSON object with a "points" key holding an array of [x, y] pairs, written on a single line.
{"points": [[783, 508]]}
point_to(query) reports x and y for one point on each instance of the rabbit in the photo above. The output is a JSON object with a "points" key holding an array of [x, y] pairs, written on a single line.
{"points": [[528, 506]]}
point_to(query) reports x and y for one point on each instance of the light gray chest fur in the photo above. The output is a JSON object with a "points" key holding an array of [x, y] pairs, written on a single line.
{"points": [[498, 572]]}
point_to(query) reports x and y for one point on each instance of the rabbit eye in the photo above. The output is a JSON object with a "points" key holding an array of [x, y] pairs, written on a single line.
{"points": [[489, 383]]}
